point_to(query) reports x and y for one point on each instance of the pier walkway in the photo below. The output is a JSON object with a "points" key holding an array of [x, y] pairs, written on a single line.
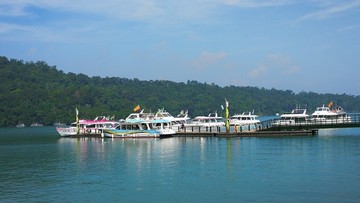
{"points": [[272, 127]]}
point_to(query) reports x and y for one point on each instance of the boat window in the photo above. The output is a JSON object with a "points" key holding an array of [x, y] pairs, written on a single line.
{"points": [[144, 126], [90, 126]]}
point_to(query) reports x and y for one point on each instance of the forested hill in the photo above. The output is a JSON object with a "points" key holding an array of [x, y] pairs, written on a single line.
{"points": [[36, 92]]}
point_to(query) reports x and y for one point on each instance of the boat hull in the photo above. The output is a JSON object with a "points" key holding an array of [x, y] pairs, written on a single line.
{"points": [[71, 131], [130, 134], [66, 132]]}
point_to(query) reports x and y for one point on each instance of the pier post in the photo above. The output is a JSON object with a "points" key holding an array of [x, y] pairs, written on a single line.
{"points": [[227, 124]]}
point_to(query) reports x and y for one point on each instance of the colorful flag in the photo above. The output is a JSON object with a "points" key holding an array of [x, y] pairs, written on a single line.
{"points": [[330, 104], [137, 108]]}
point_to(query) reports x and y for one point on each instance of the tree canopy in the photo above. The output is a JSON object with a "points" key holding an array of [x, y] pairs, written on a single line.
{"points": [[36, 92]]}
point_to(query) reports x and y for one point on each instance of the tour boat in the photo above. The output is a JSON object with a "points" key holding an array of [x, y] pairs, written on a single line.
{"points": [[139, 117], [176, 122], [297, 116], [324, 115], [244, 119], [164, 127], [161, 122], [87, 127], [144, 129], [212, 120], [20, 125]]}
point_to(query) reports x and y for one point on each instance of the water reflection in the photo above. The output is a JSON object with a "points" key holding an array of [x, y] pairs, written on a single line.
{"points": [[339, 132]]}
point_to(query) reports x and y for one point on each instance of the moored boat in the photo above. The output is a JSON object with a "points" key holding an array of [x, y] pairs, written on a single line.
{"points": [[87, 127], [36, 125], [244, 119], [297, 116], [139, 117], [20, 125], [132, 130], [212, 120], [163, 126], [325, 115], [176, 122], [58, 124]]}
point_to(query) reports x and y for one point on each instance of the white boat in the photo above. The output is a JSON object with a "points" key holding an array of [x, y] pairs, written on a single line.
{"points": [[139, 117], [161, 122], [132, 130], [87, 127], [36, 125], [244, 119], [163, 126], [176, 122], [20, 125], [212, 120], [324, 115], [58, 124], [297, 116]]}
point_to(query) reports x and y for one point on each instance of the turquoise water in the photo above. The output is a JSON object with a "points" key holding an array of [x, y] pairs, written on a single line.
{"points": [[36, 165]]}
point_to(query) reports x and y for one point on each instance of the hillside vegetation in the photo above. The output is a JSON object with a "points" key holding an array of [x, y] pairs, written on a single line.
{"points": [[36, 92]]}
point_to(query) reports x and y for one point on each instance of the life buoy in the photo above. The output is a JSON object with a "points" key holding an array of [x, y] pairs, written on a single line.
{"points": [[88, 130]]}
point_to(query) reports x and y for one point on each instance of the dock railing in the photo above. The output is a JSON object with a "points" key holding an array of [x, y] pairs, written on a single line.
{"points": [[351, 120], [218, 129]]}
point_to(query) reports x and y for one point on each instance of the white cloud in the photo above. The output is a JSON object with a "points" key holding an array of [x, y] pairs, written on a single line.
{"points": [[157, 10], [259, 71], [208, 59], [12, 8], [275, 65], [348, 28], [6, 27], [331, 11], [258, 3], [149, 10]]}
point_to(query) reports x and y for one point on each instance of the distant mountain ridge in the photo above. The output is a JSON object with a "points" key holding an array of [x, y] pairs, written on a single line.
{"points": [[34, 92]]}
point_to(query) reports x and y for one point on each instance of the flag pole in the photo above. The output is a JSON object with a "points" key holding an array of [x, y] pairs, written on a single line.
{"points": [[227, 123], [77, 121]]}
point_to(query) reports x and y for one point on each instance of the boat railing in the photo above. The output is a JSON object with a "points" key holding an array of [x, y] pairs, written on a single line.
{"points": [[348, 120]]}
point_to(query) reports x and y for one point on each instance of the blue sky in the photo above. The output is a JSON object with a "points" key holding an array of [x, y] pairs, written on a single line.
{"points": [[298, 45]]}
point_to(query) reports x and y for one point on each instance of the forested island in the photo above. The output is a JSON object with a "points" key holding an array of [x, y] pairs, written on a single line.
{"points": [[35, 92]]}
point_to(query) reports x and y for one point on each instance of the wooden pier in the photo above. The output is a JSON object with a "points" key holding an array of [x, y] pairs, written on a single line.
{"points": [[271, 128], [248, 134], [241, 131]]}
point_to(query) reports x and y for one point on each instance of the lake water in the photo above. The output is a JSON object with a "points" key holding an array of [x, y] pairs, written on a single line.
{"points": [[36, 165]]}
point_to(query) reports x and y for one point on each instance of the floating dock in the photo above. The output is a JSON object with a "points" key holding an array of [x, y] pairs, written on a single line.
{"points": [[248, 134]]}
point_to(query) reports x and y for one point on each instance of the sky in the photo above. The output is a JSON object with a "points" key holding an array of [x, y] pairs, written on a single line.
{"points": [[298, 45]]}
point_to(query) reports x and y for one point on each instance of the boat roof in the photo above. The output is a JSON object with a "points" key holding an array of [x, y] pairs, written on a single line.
{"points": [[147, 121], [97, 120], [296, 113], [245, 114]]}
